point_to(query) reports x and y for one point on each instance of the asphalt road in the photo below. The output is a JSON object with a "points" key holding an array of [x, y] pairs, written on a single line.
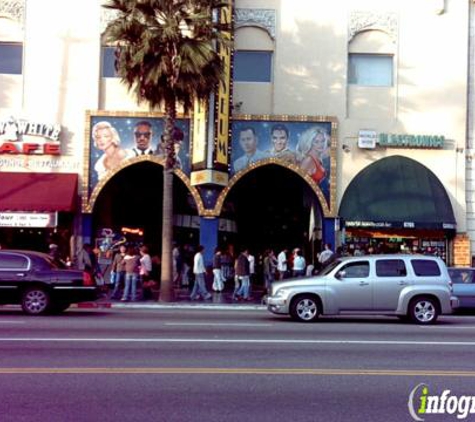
{"points": [[200, 365]]}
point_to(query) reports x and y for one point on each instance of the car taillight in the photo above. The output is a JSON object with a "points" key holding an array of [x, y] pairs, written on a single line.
{"points": [[87, 279], [451, 287]]}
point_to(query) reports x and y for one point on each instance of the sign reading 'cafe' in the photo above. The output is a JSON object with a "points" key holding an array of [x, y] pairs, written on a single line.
{"points": [[19, 136]]}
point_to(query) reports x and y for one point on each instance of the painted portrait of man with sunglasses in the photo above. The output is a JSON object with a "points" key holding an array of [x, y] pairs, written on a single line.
{"points": [[142, 137]]}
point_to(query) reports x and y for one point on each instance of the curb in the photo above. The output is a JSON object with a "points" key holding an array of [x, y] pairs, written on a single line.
{"points": [[174, 305]]}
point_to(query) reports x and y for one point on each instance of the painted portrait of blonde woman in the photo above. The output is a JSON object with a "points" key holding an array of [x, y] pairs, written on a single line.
{"points": [[106, 139], [312, 148]]}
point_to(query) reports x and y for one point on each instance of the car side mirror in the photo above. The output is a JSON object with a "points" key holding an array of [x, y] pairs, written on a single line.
{"points": [[340, 274]]}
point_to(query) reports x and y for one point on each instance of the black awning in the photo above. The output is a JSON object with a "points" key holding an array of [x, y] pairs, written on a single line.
{"points": [[397, 192]]}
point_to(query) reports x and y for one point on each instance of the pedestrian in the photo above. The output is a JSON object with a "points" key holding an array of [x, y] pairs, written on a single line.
{"points": [[299, 264], [132, 268], [282, 264], [243, 275], [326, 256], [199, 271], [187, 265], [227, 269], [218, 279], [118, 271], [252, 270], [84, 261], [145, 269], [177, 265], [269, 265], [237, 282]]}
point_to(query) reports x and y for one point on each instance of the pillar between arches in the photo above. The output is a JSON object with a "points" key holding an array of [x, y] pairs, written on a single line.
{"points": [[209, 237]]}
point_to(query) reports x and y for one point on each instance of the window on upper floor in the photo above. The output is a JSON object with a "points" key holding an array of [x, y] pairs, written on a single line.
{"points": [[108, 60], [11, 58], [370, 69], [252, 66]]}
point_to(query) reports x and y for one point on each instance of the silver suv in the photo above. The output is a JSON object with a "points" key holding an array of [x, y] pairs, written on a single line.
{"points": [[416, 287]]}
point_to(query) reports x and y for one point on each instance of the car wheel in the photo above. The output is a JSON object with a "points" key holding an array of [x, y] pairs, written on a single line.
{"points": [[35, 301], [304, 308], [423, 310]]}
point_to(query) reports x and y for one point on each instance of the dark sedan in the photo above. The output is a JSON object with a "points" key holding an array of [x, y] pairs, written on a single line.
{"points": [[463, 282], [41, 285]]}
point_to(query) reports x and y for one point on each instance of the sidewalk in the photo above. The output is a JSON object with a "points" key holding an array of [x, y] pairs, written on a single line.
{"points": [[219, 301]]}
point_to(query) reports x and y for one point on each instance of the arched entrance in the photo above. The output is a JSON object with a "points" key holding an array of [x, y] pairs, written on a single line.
{"points": [[271, 207], [133, 198]]}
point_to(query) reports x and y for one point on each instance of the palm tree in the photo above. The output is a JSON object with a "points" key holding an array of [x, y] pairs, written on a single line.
{"points": [[167, 56]]}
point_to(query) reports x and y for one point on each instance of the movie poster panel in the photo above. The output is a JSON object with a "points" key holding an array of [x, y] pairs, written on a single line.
{"points": [[116, 139], [304, 144]]}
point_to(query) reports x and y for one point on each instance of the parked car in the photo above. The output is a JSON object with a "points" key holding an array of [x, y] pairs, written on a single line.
{"points": [[414, 287], [463, 280], [41, 285]]}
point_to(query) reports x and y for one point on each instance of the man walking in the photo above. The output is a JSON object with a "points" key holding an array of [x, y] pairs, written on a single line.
{"points": [[199, 270], [243, 274], [282, 264]]}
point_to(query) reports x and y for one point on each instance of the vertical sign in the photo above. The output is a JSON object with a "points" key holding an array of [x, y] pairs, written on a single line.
{"points": [[199, 133], [224, 92]]}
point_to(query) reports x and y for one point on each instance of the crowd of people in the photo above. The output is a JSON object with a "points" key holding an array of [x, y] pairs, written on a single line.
{"points": [[134, 274]]}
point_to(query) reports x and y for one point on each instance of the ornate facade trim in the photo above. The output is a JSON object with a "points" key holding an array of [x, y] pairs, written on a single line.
{"points": [[261, 18], [363, 21], [107, 15], [13, 9]]}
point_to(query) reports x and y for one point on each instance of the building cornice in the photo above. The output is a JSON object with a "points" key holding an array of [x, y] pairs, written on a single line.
{"points": [[260, 18], [13, 9], [363, 21]]}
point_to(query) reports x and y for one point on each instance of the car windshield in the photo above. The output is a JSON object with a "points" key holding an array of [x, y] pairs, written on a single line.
{"points": [[329, 268]]}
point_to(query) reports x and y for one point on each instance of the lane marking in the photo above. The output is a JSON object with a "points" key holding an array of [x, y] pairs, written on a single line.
{"points": [[467, 327], [234, 341], [11, 322], [243, 371], [217, 324]]}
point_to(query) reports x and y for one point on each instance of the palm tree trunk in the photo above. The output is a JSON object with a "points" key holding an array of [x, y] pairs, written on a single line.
{"points": [[167, 289]]}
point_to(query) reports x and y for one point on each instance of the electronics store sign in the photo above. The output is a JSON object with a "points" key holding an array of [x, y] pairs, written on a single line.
{"points": [[398, 225], [24, 219], [369, 139], [27, 137]]}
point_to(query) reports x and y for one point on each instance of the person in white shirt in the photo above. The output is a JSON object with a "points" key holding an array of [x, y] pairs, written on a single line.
{"points": [[326, 255], [299, 264], [199, 270], [282, 264], [145, 270]]}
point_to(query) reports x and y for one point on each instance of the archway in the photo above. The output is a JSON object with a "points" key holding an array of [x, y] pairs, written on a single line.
{"points": [[133, 198], [271, 208]]}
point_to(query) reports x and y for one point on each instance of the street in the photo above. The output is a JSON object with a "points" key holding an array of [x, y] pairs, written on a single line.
{"points": [[182, 364]]}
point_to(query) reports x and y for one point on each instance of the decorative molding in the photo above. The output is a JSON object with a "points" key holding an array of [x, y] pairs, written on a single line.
{"points": [[383, 21], [261, 18], [13, 9], [107, 15]]}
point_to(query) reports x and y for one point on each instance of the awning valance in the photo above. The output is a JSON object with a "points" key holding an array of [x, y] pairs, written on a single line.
{"points": [[41, 192], [397, 192]]}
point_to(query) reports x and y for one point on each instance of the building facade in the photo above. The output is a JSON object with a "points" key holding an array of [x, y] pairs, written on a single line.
{"points": [[344, 124]]}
